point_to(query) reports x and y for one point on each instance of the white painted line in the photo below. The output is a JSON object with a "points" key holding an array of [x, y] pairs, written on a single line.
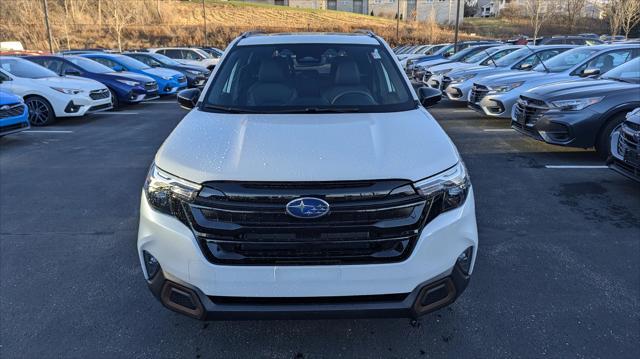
{"points": [[46, 131], [498, 129], [117, 113], [575, 167], [175, 102], [463, 111]]}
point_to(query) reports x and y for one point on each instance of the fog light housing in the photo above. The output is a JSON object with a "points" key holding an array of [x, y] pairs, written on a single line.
{"points": [[151, 264], [464, 260]]}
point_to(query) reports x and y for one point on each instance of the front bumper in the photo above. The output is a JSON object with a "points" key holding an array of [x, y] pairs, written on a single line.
{"points": [[562, 128], [433, 258], [496, 105], [78, 105], [170, 87], [459, 91], [624, 159], [15, 124]]}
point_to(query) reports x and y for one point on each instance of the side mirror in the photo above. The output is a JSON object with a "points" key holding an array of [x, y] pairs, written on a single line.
{"points": [[526, 66], [446, 55], [429, 96], [188, 98], [72, 72], [118, 68], [590, 72]]}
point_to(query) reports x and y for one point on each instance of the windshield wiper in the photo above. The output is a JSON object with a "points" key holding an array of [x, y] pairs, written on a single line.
{"points": [[329, 109], [228, 109], [491, 58], [283, 111], [546, 69]]}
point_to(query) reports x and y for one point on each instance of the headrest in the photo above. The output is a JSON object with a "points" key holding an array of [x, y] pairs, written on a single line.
{"points": [[270, 71], [347, 73]]}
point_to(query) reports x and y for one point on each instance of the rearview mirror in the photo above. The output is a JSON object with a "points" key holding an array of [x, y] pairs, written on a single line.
{"points": [[188, 98], [590, 72], [429, 96]]}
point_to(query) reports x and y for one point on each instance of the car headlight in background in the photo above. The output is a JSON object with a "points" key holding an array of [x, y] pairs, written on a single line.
{"points": [[576, 104], [129, 83], [451, 185], [505, 88], [68, 91], [457, 80], [165, 191]]}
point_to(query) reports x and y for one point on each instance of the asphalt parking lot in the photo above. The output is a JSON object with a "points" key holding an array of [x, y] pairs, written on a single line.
{"points": [[557, 273]]}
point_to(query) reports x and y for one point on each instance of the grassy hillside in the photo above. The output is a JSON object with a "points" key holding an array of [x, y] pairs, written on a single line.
{"points": [[78, 23]]}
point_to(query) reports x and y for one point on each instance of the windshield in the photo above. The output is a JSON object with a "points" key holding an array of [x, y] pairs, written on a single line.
{"points": [[25, 68], [432, 50], [488, 60], [566, 60], [88, 65], [204, 54], [513, 57], [464, 54], [290, 78], [130, 63], [481, 55], [628, 72], [164, 59]]}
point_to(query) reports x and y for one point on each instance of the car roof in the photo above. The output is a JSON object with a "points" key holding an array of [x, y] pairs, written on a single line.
{"points": [[307, 38]]}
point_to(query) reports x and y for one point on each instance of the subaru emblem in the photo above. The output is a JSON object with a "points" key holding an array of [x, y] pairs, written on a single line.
{"points": [[307, 207]]}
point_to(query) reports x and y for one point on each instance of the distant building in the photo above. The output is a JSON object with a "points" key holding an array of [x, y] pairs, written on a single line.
{"points": [[442, 11]]}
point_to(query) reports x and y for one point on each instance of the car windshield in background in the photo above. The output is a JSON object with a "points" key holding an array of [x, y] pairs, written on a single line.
{"points": [[629, 72], [25, 68], [309, 78], [513, 57], [89, 65], [463, 54], [565, 60], [480, 55], [164, 59], [132, 63], [204, 54]]}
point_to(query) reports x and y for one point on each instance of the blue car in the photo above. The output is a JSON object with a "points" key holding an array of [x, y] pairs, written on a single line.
{"points": [[125, 87], [14, 115], [196, 75], [169, 81]]}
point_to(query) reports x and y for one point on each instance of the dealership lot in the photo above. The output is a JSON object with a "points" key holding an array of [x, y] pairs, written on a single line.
{"points": [[557, 273]]}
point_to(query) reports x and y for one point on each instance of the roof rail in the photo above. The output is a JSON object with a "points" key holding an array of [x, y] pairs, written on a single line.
{"points": [[250, 33], [364, 31]]}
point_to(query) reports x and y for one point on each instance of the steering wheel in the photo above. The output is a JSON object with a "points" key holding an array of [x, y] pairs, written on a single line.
{"points": [[353, 92]]}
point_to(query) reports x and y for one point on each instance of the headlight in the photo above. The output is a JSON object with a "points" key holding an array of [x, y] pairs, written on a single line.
{"points": [[461, 79], [505, 88], [577, 104], [165, 191], [194, 72], [441, 72], [68, 91], [129, 83], [452, 186]]}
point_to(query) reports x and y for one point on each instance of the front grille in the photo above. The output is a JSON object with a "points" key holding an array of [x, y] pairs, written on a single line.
{"points": [[629, 142], [528, 111], [12, 110], [446, 80], [99, 94], [478, 92], [426, 76], [151, 86], [368, 222]]}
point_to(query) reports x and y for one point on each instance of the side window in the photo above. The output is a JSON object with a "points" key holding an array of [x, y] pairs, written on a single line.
{"points": [[144, 59], [105, 62], [190, 55], [162, 52], [53, 65], [545, 55], [173, 53], [69, 69], [607, 61], [529, 60]]}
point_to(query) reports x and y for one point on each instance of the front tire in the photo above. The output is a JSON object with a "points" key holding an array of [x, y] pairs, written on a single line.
{"points": [[603, 142], [40, 111], [114, 100]]}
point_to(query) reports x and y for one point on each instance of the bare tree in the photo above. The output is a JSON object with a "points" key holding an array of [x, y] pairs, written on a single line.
{"points": [[573, 11], [613, 10], [121, 14], [630, 15], [538, 12]]}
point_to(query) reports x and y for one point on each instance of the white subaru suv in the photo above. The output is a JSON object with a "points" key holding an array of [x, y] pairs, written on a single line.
{"points": [[308, 180]]}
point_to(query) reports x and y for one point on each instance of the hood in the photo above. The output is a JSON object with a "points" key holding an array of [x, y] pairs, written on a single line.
{"points": [[318, 147], [428, 64], [450, 65], [514, 76], [580, 88], [71, 82], [7, 98], [476, 70], [126, 75], [162, 72]]}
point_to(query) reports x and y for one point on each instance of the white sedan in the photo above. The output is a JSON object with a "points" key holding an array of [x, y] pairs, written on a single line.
{"points": [[188, 56], [48, 95]]}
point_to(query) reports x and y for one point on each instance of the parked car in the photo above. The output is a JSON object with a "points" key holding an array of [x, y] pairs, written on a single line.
{"points": [[447, 51], [315, 182], [590, 35], [422, 72], [196, 75], [571, 40], [580, 113], [188, 56], [495, 95], [215, 52], [14, 115], [426, 51], [417, 51], [125, 87], [169, 81], [436, 74], [625, 147], [461, 81], [48, 95], [612, 39]]}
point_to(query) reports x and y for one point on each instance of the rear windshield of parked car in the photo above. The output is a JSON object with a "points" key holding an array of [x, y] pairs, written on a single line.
{"points": [[629, 72], [25, 68], [309, 78], [89, 65]]}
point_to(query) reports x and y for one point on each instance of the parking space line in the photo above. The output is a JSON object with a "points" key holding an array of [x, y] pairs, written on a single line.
{"points": [[46, 131], [575, 167], [160, 102], [118, 113], [498, 130]]}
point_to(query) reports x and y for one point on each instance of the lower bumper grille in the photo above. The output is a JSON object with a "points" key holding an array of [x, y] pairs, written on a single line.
{"points": [[151, 86], [14, 127], [368, 222], [99, 94], [528, 111], [13, 110], [478, 92]]}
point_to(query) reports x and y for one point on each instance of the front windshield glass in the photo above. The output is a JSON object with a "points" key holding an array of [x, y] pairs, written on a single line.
{"points": [[463, 54], [88, 65], [164, 59], [481, 55], [130, 63], [25, 68], [204, 54], [488, 60], [566, 60], [513, 57], [628, 72], [290, 78]]}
